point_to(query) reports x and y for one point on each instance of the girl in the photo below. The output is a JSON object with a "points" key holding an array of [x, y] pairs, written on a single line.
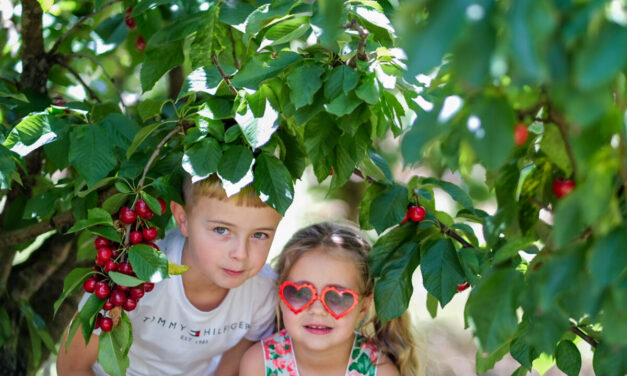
{"points": [[326, 293]]}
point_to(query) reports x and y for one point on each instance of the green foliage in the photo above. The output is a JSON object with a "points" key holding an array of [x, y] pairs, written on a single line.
{"points": [[269, 89]]}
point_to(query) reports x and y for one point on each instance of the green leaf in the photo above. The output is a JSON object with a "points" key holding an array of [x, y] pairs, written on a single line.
{"points": [[608, 259], [273, 182], [158, 62], [329, 18], [286, 31], [567, 358], [304, 82], [393, 290], [95, 216], [389, 208], [491, 307], [386, 245], [432, 305], [486, 361], [610, 360], [262, 15], [321, 136], [89, 155], [108, 233], [441, 270], [207, 40], [599, 60], [150, 108], [520, 347], [372, 192], [425, 128], [87, 315], [295, 158], [614, 317], [125, 280], [201, 159], [120, 130], [511, 248], [341, 79], [7, 167], [343, 104], [176, 269], [113, 348], [453, 190], [115, 202], [72, 282], [30, 133], [203, 79], [258, 130], [148, 263], [490, 127], [145, 5], [520, 371], [262, 67], [141, 135], [152, 202], [235, 163], [46, 5], [553, 146], [178, 30], [369, 90]]}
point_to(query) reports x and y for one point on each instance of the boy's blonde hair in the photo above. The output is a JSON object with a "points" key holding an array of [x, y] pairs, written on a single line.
{"points": [[212, 187], [394, 338]]}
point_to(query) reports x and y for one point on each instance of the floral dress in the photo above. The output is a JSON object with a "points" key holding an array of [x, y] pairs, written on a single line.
{"points": [[280, 360]]}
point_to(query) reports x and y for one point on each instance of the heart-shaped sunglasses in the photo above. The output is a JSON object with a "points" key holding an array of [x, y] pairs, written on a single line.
{"points": [[298, 296]]}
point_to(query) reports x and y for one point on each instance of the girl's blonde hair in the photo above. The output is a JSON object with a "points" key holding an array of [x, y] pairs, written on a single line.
{"points": [[394, 338], [212, 187]]}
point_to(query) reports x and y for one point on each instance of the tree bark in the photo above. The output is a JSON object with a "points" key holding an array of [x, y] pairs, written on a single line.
{"points": [[35, 63]]}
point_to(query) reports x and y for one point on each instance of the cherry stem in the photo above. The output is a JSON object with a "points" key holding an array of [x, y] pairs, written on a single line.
{"points": [[155, 153], [237, 63], [225, 77], [562, 125]]}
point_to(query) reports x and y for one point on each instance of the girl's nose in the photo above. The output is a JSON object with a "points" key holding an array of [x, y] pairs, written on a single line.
{"points": [[317, 307]]}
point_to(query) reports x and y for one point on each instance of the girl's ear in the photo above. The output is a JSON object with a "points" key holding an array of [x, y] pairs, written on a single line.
{"points": [[178, 211], [365, 307]]}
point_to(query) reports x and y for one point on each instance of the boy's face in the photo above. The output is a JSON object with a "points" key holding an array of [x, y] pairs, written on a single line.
{"points": [[226, 243]]}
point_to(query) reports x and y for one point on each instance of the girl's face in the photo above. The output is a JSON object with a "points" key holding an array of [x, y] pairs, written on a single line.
{"points": [[315, 329]]}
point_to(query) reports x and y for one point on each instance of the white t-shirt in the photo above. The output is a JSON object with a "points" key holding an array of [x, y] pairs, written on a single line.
{"points": [[172, 337]]}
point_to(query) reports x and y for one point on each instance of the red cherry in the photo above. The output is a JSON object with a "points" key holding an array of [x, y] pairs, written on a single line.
{"points": [[136, 237], [100, 261], [463, 286], [130, 21], [127, 215], [98, 321], [102, 290], [122, 288], [105, 253], [140, 43], [142, 209], [417, 213], [332, 171], [562, 188], [101, 242], [406, 217], [117, 297], [130, 304], [150, 234], [136, 292], [148, 286], [163, 207], [107, 306], [110, 266], [153, 245], [106, 324], [90, 284], [115, 254], [125, 268], [520, 134]]}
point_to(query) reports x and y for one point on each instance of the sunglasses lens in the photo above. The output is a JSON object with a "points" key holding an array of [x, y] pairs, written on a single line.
{"points": [[339, 303], [297, 297]]}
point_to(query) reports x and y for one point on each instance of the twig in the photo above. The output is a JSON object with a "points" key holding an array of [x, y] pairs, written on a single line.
{"points": [[366, 178], [115, 85], [237, 63], [363, 36], [584, 336], [539, 204], [92, 94], [156, 153], [63, 37], [225, 77]]}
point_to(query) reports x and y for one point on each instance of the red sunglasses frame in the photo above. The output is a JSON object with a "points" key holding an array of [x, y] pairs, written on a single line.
{"points": [[315, 296]]}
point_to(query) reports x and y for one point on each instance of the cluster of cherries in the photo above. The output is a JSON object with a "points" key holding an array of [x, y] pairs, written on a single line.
{"points": [[140, 42], [113, 257]]}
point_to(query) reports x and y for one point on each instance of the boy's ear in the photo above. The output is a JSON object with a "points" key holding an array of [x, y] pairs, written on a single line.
{"points": [[178, 211]]}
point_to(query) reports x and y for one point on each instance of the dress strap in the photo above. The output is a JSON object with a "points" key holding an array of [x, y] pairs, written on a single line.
{"points": [[279, 355], [364, 357]]}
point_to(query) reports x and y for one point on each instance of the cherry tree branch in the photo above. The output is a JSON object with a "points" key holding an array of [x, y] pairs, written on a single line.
{"points": [[92, 94], [115, 84], [63, 37], [584, 336], [155, 154], [363, 36], [236, 62], [562, 125], [225, 76]]}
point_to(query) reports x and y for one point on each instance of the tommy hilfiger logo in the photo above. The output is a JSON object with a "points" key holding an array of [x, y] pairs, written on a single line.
{"points": [[194, 333], [177, 326]]}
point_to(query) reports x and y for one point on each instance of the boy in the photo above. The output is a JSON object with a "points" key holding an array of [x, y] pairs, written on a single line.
{"points": [[201, 322]]}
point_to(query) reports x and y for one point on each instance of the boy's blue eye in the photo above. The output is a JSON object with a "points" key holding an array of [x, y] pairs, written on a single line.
{"points": [[260, 235], [221, 230]]}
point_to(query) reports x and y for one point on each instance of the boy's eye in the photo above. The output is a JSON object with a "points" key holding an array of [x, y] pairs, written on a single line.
{"points": [[260, 235], [221, 230]]}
